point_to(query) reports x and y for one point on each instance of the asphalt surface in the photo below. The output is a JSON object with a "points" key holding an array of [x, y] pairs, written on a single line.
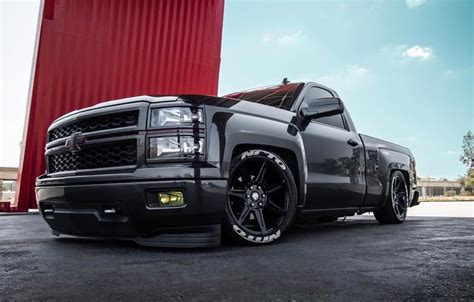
{"points": [[423, 259]]}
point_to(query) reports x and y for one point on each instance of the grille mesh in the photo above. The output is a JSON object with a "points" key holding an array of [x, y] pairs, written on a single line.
{"points": [[97, 123], [116, 154]]}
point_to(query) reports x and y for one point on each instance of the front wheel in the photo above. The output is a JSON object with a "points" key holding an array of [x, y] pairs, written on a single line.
{"points": [[261, 198], [395, 209]]}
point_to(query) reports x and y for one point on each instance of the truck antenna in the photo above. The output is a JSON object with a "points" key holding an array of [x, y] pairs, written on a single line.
{"points": [[285, 81]]}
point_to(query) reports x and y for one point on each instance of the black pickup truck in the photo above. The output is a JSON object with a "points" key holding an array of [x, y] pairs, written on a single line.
{"points": [[175, 170]]}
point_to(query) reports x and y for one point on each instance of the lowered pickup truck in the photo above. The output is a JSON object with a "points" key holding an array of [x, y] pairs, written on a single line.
{"points": [[176, 170]]}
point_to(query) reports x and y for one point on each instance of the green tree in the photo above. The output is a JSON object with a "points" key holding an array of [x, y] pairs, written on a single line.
{"points": [[467, 182], [2, 187], [467, 158], [468, 149], [450, 193]]}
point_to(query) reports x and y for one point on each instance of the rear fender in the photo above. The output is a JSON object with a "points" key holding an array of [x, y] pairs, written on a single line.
{"points": [[390, 161]]}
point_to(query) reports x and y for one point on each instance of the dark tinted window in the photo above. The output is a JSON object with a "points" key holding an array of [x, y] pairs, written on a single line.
{"points": [[319, 93], [280, 96]]}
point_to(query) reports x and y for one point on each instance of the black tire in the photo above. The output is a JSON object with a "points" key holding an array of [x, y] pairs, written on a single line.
{"points": [[261, 198], [395, 209]]}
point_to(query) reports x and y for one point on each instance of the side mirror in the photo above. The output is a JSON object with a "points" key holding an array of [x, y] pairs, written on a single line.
{"points": [[321, 107]]}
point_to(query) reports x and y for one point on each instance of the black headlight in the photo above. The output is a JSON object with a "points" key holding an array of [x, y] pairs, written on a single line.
{"points": [[175, 116], [175, 133], [175, 146]]}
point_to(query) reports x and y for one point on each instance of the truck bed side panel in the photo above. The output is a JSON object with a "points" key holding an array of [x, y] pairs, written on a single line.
{"points": [[382, 158]]}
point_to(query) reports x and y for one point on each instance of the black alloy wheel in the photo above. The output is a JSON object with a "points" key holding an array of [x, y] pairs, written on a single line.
{"points": [[399, 197], [395, 209], [261, 202]]}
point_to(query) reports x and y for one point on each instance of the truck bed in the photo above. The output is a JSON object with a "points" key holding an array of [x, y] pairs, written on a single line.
{"points": [[372, 142]]}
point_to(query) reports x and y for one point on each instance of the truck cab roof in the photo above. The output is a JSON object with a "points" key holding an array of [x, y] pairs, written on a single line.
{"points": [[280, 96]]}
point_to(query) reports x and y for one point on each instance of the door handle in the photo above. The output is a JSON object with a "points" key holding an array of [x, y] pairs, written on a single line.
{"points": [[352, 142]]}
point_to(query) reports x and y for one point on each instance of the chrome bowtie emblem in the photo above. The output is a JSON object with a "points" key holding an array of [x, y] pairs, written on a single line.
{"points": [[255, 196], [72, 143]]}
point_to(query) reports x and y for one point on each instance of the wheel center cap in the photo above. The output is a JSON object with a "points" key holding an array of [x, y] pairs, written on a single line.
{"points": [[255, 196]]}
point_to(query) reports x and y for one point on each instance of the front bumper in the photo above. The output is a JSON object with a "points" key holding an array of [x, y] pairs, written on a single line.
{"points": [[82, 206]]}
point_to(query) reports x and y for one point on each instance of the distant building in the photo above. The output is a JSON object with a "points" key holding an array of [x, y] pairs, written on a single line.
{"points": [[437, 187], [8, 180]]}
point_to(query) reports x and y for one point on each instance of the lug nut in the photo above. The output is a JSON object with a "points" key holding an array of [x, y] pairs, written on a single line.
{"points": [[259, 187], [253, 204], [260, 204], [247, 196], [263, 195]]}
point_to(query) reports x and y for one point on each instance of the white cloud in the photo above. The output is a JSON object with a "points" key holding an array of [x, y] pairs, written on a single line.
{"points": [[418, 52], [267, 37], [283, 39], [404, 54], [290, 38], [355, 70], [415, 3], [451, 152]]}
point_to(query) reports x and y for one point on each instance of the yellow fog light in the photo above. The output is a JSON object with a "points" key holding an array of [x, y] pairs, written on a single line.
{"points": [[172, 198]]}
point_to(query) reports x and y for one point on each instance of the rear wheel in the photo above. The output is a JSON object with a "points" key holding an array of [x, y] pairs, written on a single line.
{"points": [[261, 199], [395, 209]]}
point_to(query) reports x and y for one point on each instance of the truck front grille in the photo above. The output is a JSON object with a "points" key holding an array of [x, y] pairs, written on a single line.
{"points": [[96, 123], [95, 156]]}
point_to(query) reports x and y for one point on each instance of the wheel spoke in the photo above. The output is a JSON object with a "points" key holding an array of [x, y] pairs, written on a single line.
{"points": [[399, 184], [243, 215], [274, 188], [260, 220], [246, 177], [261, 173], [395, 208], [401, 197], [237, 193], [401, 208], [403, 202], [274, 207]]}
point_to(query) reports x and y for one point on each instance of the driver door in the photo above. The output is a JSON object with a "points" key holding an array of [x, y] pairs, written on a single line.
{"points": [[335, 160]]}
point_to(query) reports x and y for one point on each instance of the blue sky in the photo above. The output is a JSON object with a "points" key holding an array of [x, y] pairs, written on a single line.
{"points": [[403, 68]]}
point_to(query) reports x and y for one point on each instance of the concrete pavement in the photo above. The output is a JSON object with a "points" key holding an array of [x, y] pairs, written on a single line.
{"points": [[423, 259]]}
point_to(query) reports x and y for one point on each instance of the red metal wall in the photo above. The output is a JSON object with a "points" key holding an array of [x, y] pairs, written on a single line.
{"points": [[90, 51]]}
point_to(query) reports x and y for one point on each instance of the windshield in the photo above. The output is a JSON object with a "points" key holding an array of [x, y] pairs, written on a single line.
{"points": [[279, 96]]}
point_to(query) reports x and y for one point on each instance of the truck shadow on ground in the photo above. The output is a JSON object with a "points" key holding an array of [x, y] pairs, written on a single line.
{"points": [[296, 235]]}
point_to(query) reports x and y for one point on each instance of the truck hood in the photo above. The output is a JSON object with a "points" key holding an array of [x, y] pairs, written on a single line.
{"points": [[186, 98], [235, 105]]}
